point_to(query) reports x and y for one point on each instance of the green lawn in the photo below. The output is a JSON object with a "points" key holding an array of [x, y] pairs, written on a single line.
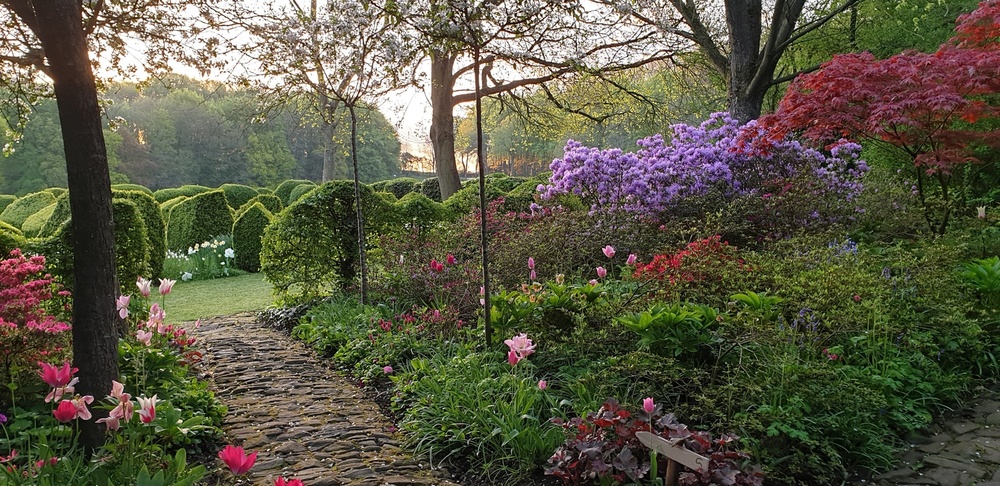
{"points": [[217, 297]]}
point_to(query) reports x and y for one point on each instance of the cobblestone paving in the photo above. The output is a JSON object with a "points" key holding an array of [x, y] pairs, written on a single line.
{"points": [[962, 450], [306, 420]]}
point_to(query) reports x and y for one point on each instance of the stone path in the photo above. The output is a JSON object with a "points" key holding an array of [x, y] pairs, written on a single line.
{"points": [[963, 450], [305, 420]]}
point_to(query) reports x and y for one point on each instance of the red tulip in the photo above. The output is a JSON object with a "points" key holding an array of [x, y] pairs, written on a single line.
{"points": [[237, 461], [65, 412]]}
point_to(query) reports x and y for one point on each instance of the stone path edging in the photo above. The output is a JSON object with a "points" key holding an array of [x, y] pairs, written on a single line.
{"points": [[305, 420]]}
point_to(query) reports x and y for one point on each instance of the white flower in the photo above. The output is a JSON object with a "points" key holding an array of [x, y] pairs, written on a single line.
{"points": [[192, 250], [186, 276], [230, 253]]}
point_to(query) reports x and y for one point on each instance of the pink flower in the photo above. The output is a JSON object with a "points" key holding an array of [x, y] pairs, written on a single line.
{"points": [[857, 298], [647, 405], [144, 337], [520, 348], [531, 263], [166, 285], [11, 457], [450, 259], [592, 282], [65, 411], [57, 377], [143, 285], [147, 409], [609, 251], [81, 406], [482, 295], [156, 315], [122, 305], [631, 259], [542, 384], [601, 272], [111, 422], [533, 276], [291, 482], [387, 370], [237, 461]]}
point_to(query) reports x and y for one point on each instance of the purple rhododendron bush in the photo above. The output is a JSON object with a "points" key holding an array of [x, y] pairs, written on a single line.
{"points": [[767, 304]]}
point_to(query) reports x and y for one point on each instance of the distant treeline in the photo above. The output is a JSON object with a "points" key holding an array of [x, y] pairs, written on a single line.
{"points": [[183, 131]]}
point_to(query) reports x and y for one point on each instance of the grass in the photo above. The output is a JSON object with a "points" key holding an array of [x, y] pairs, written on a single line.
{"points": [[199, 299]]}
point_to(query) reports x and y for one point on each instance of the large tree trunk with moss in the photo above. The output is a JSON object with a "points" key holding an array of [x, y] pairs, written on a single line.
{"points": [[59, 27], [443, 122]]}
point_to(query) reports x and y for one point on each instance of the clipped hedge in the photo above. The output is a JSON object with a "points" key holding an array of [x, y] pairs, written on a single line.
{"points": [[468, 197], [520, 198], [419, 210], [238, 194], [198, 219], [5, 200], [156, 228], [131, 187], [165, 207], [430, 188], [311, 248], [402, 186], [132, 249], [504, 182], [285, 188], [59, 215], [247, 232], [24, 207], [299, 191], [190, 190], [10, 238], [270, 202], [33, 225], [56, 191]]}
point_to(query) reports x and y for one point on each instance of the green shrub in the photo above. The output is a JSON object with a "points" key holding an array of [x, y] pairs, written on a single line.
{"points": [[60, 214], [10, 238], [33, 225], [311, 247], [378, 186], [131, 187], [467, 198], [189, 190], [402, 186], [284, 190], [420, 211], [24, 207], [430, 188], [519, 198], [270, 202], [237, 194], [165, 207], [247, 232], [56, 191], [198, 219], [504, 182], [131, 241], [299, 191], [5, 200], [7, 227], [156, 229]]}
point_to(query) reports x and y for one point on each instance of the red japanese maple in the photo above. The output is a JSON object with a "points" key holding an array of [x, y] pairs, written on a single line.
{"points": [[927, 105]]}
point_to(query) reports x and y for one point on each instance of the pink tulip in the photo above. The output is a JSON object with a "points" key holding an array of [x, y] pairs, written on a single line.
{"points": [[631, 259], [387, 370], [65, 411], [166, 285], [609, 251], [143, 285], [531, 263], [57, 377], [144, 337], [512, 358], [111, 422], [647, 405], [542, 384], [237, 461], [147, 409], [592, 282], [280, 481], [520, 347], [533, 276], [601, 272], [118, 392], [450, 259], [81, 406], [122, 305]]}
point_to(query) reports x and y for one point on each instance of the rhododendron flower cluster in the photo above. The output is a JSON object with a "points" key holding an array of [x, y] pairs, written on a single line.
{"points": [[681, 266], [698, 160], [28, 331]]}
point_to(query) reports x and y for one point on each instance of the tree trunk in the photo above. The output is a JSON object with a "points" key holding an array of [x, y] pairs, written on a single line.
{"points": [[443, 122], [743, 19], [330, 124], [359, 213], [95, 344]]}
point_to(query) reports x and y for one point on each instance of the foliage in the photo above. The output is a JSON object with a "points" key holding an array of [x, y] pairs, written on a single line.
{"points": [[238, 194], [131, 187], [402, 186], [270, 202], [699, 271], [189, 190], [25, 206], [132, 248], [248, 229], [984, 276], [201, 261], [299, 191], [59, 215], [32, 226], [420, 211], [156, 231], [6, 200], [677, 330], [198, 219], [312, 246], [284, 190], [467, 198], [430, 188], [604, 445]]}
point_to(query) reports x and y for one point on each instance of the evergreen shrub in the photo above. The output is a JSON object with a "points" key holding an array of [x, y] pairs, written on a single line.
{"points": [[131, 187], [430, 188], [5, 200], [33, 225], [402, 186], [285, 188], [24, 207], [238, 194], [248, 229], [198, 219], [156, 228], [270, 202], [189, 190]]}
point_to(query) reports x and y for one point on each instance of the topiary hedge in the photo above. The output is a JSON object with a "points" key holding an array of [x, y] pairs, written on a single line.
{"points": [[132, 250], [402, 186], [247, 232], [430, 188], [59, 215], [33, 225], [165, 207], [166, 194], [311, 247], [520, 198], [10, 238], [131, 187], [270, 202], [24, 207], [468, 197], [156, 228], [5, 200], [299, 191], [56, 191], [198, 219], [238, 194], [419, 210], [285, 188]]}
